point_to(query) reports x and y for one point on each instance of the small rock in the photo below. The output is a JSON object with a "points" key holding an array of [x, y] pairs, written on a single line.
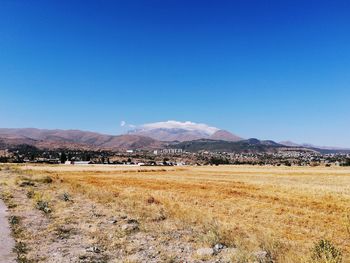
{"points": [[93, 249], [112, 221], [204, 252], [260, 255], [218, 247], [47, 210]]}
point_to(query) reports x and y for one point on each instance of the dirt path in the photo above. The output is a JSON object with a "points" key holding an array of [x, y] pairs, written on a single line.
{"points": [[6, 241]]}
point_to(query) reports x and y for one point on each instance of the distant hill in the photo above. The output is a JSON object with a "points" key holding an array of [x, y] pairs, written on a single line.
{"points": [[73, 139], [243, 146], [322, 149], [289, 143], [225, 136]]}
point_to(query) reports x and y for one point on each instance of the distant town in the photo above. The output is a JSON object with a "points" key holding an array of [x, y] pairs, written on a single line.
{"points": [[171, 157]]}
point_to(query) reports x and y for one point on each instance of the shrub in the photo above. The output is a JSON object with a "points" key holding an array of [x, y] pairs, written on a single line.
{"points": [[212, 234], [14, 220], [20, 248], [30, 194], [274, 249], [218, 160], [325, 251], [151, 200], [64, 232], [41, 203], [43, 206], [66, 197], [27, 183], [45, 180]]}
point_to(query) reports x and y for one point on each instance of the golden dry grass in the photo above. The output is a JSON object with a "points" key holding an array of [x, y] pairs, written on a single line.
{"points": [[281, 209]]}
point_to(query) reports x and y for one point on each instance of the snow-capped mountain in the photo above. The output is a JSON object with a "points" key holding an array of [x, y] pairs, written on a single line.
{"points": [[183, 131]]}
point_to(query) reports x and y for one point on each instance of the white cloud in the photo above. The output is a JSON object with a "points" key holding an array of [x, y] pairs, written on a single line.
{"points": [[127, 125], [187, 125]]}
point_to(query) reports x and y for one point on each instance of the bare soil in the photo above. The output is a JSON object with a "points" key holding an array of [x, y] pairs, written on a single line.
{"points": [[7, 243]]}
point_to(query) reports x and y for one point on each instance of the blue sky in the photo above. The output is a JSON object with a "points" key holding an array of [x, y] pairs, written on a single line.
{"points": [[267, 69]]}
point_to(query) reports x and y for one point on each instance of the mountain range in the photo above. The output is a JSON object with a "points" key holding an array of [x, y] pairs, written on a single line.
{"points": [[182, 131], [308, 145], [187, 136], [181, 135], [74, 139], [322, 149], [85, 140]]}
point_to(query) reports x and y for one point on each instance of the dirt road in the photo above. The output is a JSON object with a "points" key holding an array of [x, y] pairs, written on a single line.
{"points": [[6, 241]]}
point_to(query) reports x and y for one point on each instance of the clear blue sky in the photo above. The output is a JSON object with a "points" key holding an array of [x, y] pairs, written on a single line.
{"points": [[267, 69]]}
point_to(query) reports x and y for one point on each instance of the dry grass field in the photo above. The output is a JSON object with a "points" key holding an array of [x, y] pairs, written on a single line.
{"points": [[176, 214]]}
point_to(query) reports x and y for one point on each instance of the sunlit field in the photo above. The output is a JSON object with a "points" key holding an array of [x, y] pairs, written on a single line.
{"points": [[286, 212]]}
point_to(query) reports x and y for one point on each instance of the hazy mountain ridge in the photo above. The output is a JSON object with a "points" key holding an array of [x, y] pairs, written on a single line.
{"points": [[308, 145], [172, 130], [173, 134], [71, 139], [181, 135]]}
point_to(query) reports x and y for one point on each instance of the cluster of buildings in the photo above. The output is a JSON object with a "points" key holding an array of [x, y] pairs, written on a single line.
{"points": [[174, 156], [168, 151]]}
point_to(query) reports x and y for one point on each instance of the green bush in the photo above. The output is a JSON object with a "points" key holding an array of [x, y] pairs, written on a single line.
{"points": [[325, 251], [14, 220]]}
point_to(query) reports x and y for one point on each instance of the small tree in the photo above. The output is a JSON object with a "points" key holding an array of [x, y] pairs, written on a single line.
{"points": [[165, 161], [63, 157], [218, 160]]}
